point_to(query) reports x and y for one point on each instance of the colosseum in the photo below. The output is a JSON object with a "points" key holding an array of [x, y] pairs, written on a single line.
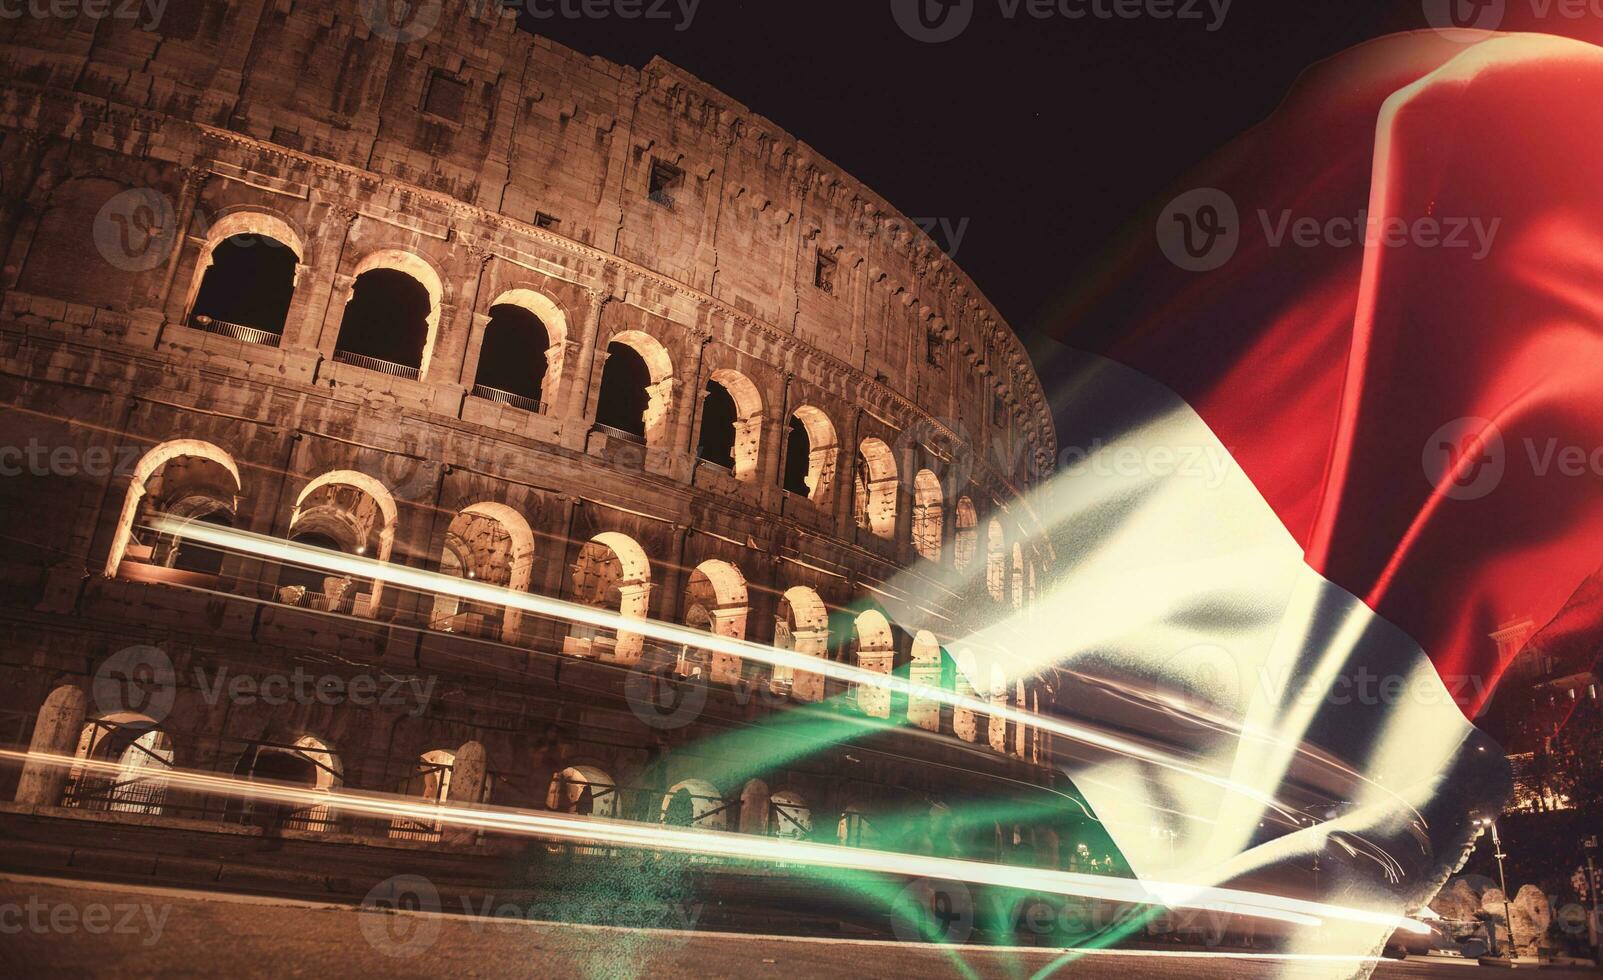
{"points": [[454, 301]]}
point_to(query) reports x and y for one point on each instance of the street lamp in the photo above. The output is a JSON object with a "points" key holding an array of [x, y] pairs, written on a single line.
{"points": [[1508, 913]]}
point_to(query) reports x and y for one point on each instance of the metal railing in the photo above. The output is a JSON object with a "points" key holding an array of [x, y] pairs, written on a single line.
{"points": [[390, 368], [620, 434], [238, 331], [501, 397]]}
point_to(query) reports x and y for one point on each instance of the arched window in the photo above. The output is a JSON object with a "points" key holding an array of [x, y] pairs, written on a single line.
{"points": [[431, 783], [636, 388], [873, 648], [715, 601], [965, 724], [925, 712], [612, 572], [996, 561], [246, 289], [493, 544], [185, 479], [308, 761], [874, 502], [695, 803], [1018, 575], [929, 515], [512, 359], [348, 512], [718, 412], [390, 319], [583, 791], [966, 541], [855, 828], [143, 754], [801, 624], [789, 816], [810, 451]]}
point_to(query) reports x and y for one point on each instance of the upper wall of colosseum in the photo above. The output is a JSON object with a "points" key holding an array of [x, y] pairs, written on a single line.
{"points": [[650, 165]]}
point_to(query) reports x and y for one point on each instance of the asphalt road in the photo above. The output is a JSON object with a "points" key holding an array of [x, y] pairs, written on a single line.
{"points": [[58, 928]]}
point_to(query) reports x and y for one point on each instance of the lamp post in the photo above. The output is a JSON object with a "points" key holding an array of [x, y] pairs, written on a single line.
{"points": [[1508, 913]]}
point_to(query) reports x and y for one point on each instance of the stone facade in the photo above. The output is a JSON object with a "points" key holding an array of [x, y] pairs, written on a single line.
{"points": [[493, 169]]}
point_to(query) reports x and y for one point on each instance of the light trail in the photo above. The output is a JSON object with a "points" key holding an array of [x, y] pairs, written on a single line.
{"points": [[596, 830], [275, 549]]}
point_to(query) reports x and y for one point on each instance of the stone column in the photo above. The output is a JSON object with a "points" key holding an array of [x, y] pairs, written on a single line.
{"points": [[56, 732], [469, 774]]}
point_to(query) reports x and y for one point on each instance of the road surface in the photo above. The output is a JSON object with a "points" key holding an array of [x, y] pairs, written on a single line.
{"points": [[51, 927]]}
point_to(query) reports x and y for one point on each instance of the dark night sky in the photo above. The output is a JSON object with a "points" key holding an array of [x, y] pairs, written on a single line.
{"points": [[1044, 136]]}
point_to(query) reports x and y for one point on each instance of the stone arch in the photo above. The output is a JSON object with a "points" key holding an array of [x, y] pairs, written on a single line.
{"points": [[812, 438], [612, 572], [419, 271], [246, 276], [695, 803], [431, 783], [997, 692], [801, 623], [874, 648], [353, 513], [741, 436], [1017, 578], [789, 816], [718, 589], [492, 543], [142, 752], [996, 561], [583, 791], [925, 669], [555, 321], [874, 497], [966, 539], [855, 827], [154, 461], [929, 515], [624, 389], [965, 723], [309, 760]]}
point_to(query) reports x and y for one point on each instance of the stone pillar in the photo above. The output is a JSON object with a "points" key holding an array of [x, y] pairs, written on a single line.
{"points": [[56, 732], [584, 375], [469, 775]]}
